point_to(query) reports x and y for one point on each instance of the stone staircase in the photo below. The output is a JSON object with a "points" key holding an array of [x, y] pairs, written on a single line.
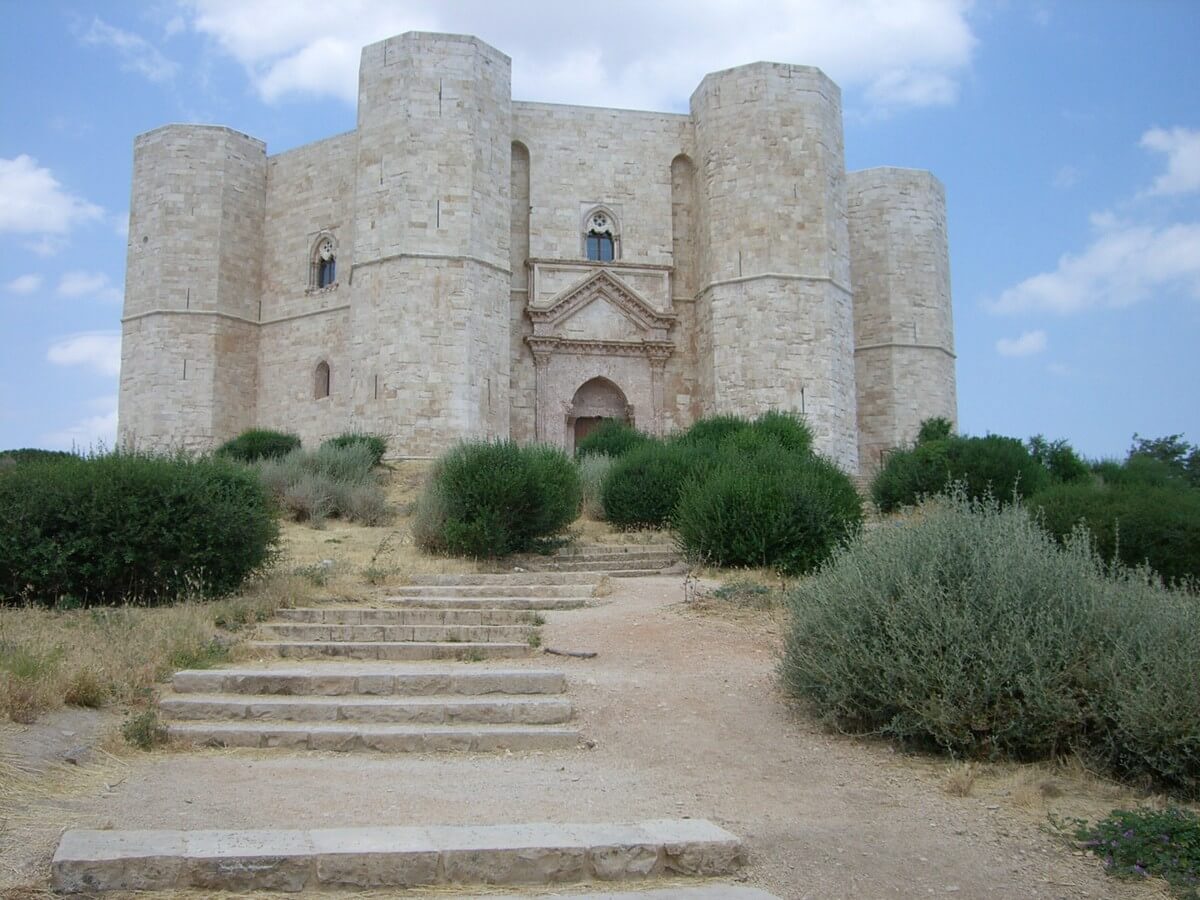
{"points": [[616, 560], [420, 672]]}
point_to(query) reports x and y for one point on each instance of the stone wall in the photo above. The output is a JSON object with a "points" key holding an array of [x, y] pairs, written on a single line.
{"points": [[193, 284], [775, 317], [903, 323]]}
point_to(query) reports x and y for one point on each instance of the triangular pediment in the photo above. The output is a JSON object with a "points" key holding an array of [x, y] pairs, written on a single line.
{"points": [[603, 302]]}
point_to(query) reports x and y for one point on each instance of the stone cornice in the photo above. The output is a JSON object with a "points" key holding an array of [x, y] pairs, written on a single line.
{"points": [[778, 276], [453, 257], [224, 315], [906, 346], [543, 346]]}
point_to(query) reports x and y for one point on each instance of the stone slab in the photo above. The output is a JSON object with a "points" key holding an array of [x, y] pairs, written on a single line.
{"points": [[391, 650], [528, 603], [382, 737], [494, 590], [538, 853], [306, 631], [327, 680], [396, 616], [429, 710]]}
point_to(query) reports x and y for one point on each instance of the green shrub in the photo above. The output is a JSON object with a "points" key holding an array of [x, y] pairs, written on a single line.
{"points": [[710, 432], [643, 487], [377, 444], [789, 429], [1144, 843], [33, 454], [124, 528], [493, 499], [936, 429], [969, 629], [1153, 523], [772, 509], [593, 469], [259, 443], [1060, 461], [144, 730], [1138, 471], [332, 481], [993, 464], [611, 438]]}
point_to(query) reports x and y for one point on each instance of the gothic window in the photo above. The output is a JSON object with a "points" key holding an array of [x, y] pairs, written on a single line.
{"points": [[600, 237], [321, 381], [323, 268]]}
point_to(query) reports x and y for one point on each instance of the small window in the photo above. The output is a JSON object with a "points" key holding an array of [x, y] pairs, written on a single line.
{"points": [[321, 381], [323, 269], [600, 237]]}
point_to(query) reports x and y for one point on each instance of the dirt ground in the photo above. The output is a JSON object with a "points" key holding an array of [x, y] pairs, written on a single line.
{"points": [[683, 710]]}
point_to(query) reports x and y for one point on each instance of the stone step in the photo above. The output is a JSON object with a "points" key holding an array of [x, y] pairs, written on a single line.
{"points": [[312, 631], [557, 591], [336, 680], [429, 710], [561, 565], [395, 857], [684, 892], [598, 569], [393, 616], [539, 578], [578, 549], [399, 651], [385, 738], [526, 603]]}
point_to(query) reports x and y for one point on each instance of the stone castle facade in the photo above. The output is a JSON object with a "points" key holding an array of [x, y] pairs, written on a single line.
{"points": [[464, 265]]}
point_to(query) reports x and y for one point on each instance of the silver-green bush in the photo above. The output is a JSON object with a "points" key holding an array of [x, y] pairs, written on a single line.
{"points": [[332, 481], [967, 628]]}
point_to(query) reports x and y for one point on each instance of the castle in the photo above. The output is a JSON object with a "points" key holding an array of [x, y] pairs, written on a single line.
{"points": [[466, 265]]}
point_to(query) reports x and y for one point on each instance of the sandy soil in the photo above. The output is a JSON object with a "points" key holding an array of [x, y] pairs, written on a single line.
{"points": [[686, 720]]}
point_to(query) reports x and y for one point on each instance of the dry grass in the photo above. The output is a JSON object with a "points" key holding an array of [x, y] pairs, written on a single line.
{"points": [[95, 657], [960, 779]]}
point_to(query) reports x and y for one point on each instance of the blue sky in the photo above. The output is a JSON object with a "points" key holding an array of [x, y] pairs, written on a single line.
{"points": [[1067, 134]]}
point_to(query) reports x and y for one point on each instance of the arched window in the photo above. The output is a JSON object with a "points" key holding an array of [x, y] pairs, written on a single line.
{"points": [[323, 265], [321, 381], [600, 236]]}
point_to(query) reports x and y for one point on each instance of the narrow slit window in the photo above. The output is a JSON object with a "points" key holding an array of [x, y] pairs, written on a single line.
{"points": [[321, 381]]}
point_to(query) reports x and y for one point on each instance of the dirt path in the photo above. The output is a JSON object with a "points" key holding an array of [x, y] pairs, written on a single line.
{"points": [[686, 721]]}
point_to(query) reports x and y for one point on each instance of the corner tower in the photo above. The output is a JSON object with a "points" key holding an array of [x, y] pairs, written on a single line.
{"points": [[903, 323], [774, 318], [430, 314], [189, 341]]}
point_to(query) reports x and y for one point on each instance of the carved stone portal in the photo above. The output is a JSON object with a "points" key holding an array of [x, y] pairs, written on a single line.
{"points": [[599, 349]]}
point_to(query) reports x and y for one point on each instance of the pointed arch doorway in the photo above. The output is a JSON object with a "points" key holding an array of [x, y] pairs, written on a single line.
{"points": [[596, 400]]}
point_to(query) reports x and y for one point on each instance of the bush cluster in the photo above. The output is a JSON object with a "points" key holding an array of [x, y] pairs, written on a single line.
{"points": [[259, 443], [330, 482], [130, 528], [971, 630], [1000, 466], [770, 509], [610, 438], [376, 444], [33, 454], [497, 498], [1152, 523], [643, 487]]}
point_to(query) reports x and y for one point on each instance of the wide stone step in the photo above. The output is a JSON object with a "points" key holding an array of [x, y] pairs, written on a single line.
{"points": [[608, 567], [399, 651], [304, 631], [529, 578], [525, 603], [615, 550], [721, 891], [493, 590], [335, 680], [431, 710], [393, 616], [385, 738], [391, 857]]}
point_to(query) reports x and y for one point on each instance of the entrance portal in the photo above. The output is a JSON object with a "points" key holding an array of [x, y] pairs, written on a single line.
{"points": [[595, 401]]}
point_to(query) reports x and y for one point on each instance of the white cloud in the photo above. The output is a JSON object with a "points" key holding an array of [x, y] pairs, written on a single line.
{"points": [[137, 54], [1027, 344], [24, 284], [94, 284], [1125, 264], [33, 202], [97, 350], [1182, 147], [899, 52], [95, 430]]}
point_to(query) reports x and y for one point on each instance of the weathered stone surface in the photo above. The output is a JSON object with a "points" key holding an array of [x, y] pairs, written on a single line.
{"points": [[749, 269], [382, 737], [378, 857], [323, 680]]}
